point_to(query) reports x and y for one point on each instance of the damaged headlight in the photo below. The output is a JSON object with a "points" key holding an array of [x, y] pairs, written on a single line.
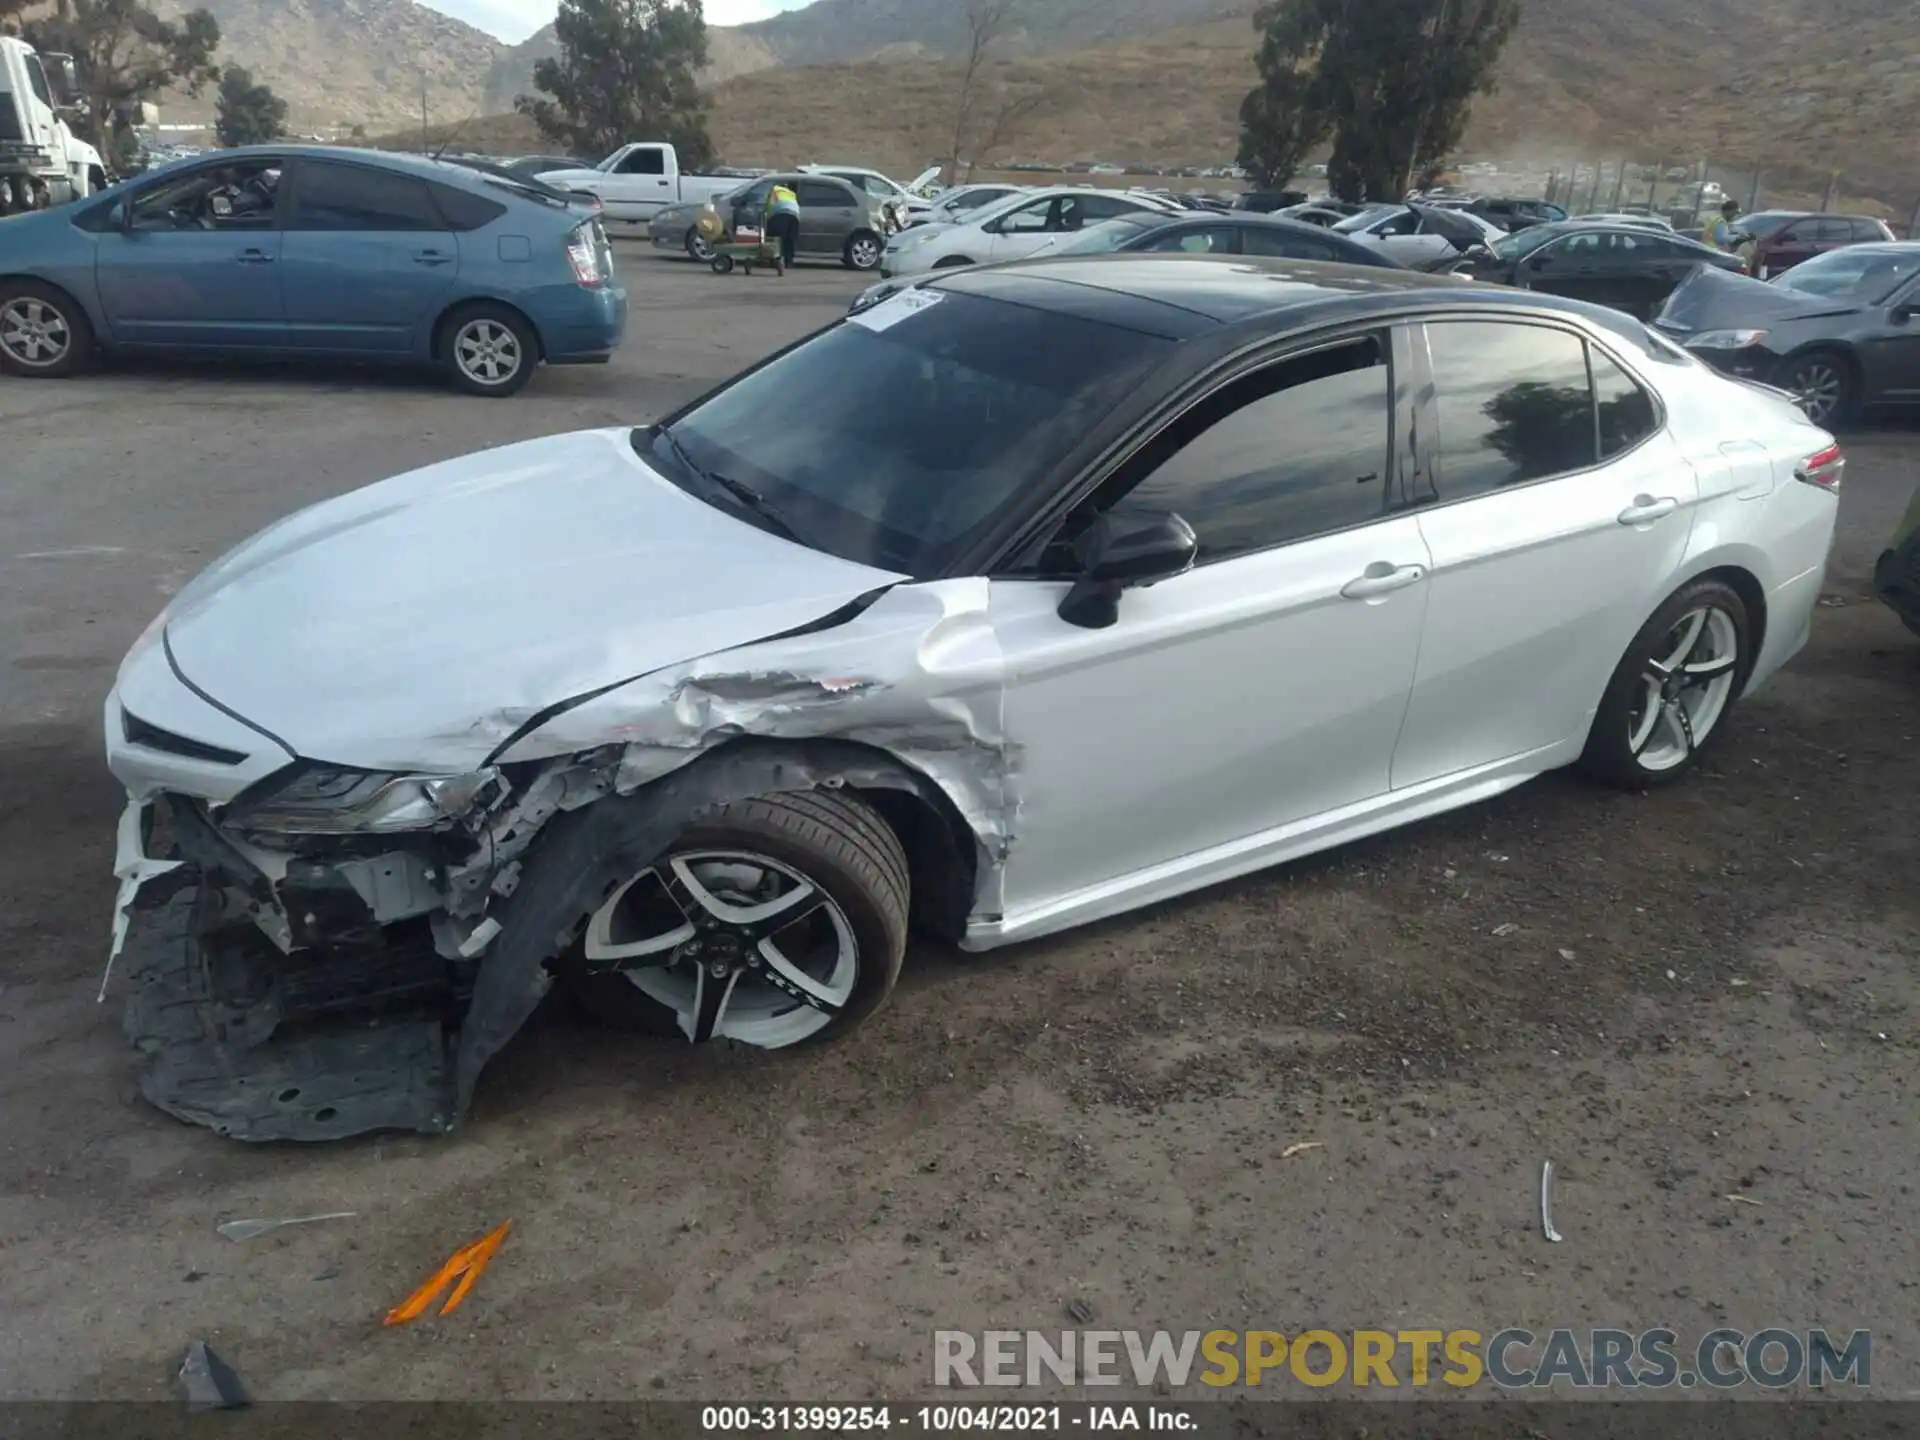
{"points": [[329, 800]]}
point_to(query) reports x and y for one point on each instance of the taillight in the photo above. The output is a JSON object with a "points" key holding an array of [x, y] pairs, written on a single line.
{"points": [[584, 255], [1824, 468]]}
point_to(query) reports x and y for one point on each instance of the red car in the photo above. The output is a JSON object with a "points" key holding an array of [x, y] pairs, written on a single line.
{"points": [[1783, 238]]}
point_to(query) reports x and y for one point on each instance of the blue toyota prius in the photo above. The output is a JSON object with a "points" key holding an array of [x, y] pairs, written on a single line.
{"points": [[309, 251]]}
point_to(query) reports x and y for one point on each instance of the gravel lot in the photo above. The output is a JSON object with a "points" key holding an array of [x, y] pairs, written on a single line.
{"points": [[1711, 991]]}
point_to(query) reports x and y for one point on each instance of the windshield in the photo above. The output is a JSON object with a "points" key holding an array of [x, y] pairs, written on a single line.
{"points": [[1110, 235], [1354, 224], [895, 438], [1865, 274]]}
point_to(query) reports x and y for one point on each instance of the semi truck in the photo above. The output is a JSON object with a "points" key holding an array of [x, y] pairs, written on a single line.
{"points": [[42, 162]]}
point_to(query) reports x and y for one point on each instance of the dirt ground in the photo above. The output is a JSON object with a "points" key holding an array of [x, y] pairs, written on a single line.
{"points": [[1712, 991]]}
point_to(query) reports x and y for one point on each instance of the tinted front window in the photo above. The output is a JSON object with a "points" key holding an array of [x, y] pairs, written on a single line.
{"points": [[1302, 449], [896, 441], [1514, 405], [1214, 240], [1257, 240], [645, 162], [1107, 236], [349, 197]]}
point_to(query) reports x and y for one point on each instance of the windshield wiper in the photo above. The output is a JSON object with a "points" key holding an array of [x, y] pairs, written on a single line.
{"points": [[770, 515]]}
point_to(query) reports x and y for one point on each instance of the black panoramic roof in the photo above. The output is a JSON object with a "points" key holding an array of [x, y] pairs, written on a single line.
{"points": [[1184, 297]]}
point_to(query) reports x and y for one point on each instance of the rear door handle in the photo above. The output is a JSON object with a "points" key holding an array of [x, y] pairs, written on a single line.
{"points": [[432, 257], [253, 255], [1384, 579], [1646, 510]]}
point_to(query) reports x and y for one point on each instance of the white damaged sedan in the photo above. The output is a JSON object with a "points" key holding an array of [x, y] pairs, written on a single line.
{"points": [[1020, 600]]}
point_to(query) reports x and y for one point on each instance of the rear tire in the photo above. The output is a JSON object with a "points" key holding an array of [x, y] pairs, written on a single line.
{"points": [[44, 332], [1673, 689], [828, 840], [487, 349]]}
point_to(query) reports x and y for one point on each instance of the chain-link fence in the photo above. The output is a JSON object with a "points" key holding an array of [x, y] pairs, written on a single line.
{"points": [[1690, 193]]}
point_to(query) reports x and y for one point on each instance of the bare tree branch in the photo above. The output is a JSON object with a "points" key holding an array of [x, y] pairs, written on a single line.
{"points": [[986, 21]]}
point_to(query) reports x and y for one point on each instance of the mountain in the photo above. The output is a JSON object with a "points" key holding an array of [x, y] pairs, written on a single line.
{"points": [[731, 51], [348, 62]]}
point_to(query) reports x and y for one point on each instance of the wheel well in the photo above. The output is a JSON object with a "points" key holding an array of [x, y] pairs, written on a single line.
{"points": [[60, 290], [1754, 597], [952, 262], [1844, 354], [943, 853], [440, 324], [941, 858]]}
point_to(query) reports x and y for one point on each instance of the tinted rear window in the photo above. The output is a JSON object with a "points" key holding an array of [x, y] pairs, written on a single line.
{"points": [[897, 438], [465, 210]]}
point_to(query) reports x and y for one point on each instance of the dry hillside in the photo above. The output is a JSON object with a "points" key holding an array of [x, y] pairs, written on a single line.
{"points": [[1802, 86]]}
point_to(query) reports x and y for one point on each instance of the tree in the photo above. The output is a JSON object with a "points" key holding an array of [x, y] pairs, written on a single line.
{"points": [[246, 113], [985, 115], [627, 70], [126, 54], [1392, 81]]}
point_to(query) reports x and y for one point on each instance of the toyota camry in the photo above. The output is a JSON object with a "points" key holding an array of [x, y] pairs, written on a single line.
{"points": [[1017, 601]]}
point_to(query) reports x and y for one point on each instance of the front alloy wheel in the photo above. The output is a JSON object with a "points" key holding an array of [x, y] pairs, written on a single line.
{"points": [[697, 246], [737, 945], [1672, 689], [1821, 387], [33, 333], [774, 922]]}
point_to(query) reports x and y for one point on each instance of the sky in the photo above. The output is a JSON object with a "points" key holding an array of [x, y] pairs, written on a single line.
{"points": [[514, 20]]}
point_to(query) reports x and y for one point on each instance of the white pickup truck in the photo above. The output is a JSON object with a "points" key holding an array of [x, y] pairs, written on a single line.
{"points": [[42, 162], [636, 182]]}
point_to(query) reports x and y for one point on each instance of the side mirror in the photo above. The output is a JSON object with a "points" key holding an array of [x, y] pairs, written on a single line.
{"points": [[1903, 313], [1121, 550]]}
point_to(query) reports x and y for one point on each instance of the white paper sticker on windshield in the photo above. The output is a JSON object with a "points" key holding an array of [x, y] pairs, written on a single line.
{"points": [[895, 308]]}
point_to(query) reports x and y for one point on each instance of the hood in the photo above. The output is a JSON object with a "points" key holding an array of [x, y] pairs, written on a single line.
{"points": [[583, 176], [1714, 299], [416, 624]]}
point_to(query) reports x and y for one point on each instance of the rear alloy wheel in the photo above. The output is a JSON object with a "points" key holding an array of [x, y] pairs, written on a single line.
{"points": [[1672, 690], [864, 251], [1821, 384], [489, 350], [43, 331], [776, 922]]}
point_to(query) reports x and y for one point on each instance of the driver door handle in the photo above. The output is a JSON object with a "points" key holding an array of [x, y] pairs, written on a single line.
{"points": [[253, 255], [432, 257], [1383, 579], [1646, 510]]}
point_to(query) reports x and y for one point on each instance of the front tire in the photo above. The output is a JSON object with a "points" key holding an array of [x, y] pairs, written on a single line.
{"points": [[488, 350], [697, 247], [864, 251], [44, 333], [774, 922], [1823, 385], [1673, 689]]}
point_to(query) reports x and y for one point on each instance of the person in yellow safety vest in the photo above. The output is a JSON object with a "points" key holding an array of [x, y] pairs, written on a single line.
{"points": [[1722, 234], [783, 220]]}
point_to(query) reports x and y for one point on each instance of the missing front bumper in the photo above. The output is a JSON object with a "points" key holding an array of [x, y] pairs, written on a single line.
{"points": [[261, 1046]]}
